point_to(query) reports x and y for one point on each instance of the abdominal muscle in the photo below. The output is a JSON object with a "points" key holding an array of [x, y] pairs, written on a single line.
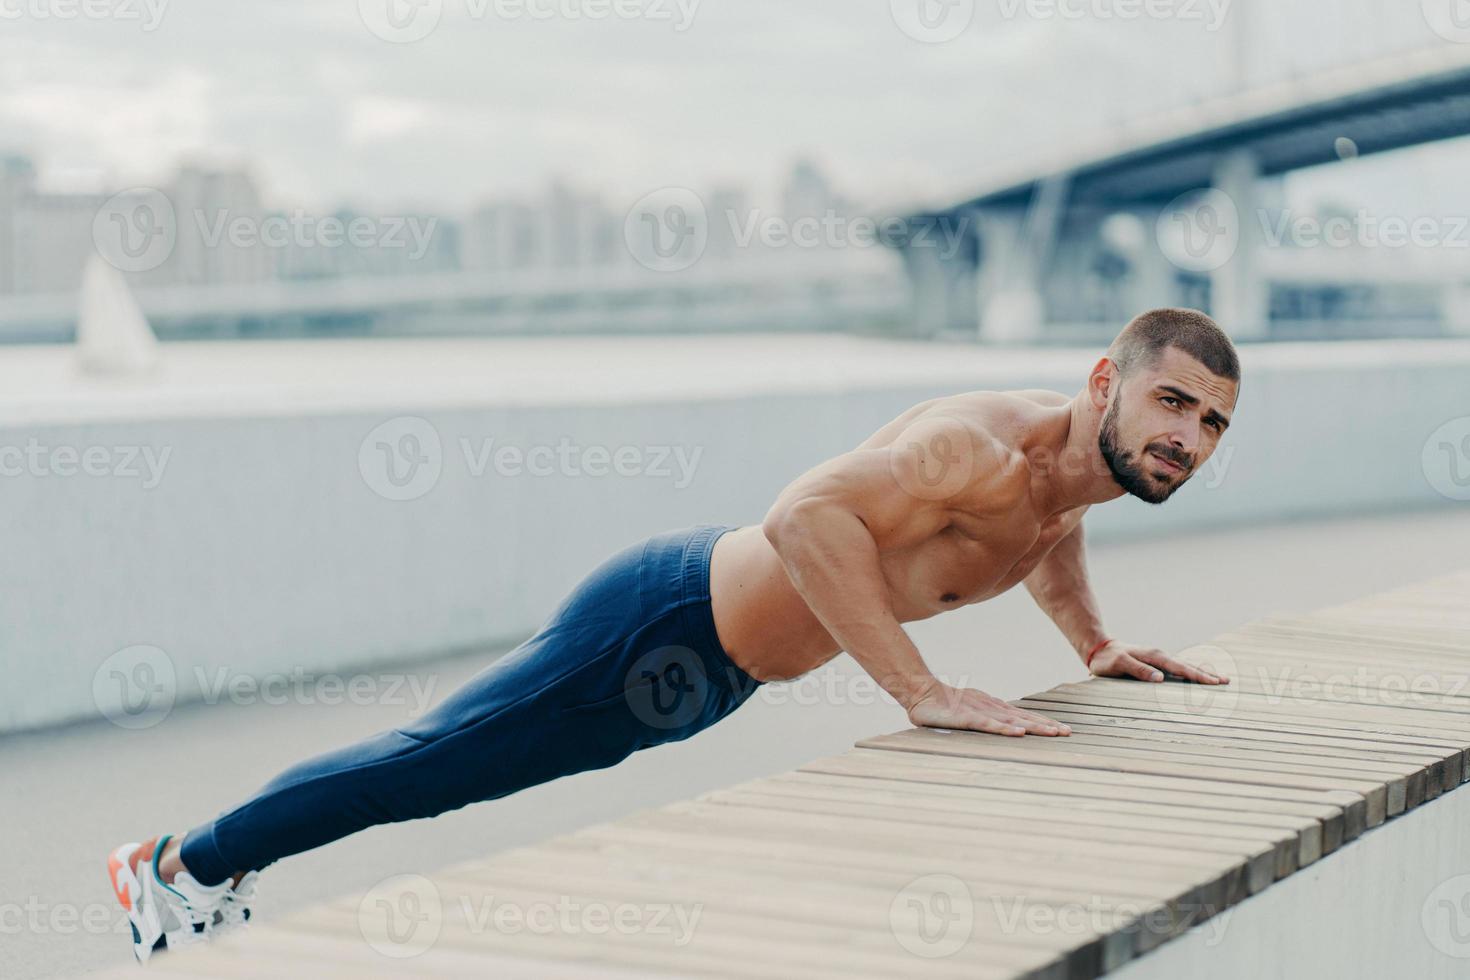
{"points": [[763, 623], [770, 632]]}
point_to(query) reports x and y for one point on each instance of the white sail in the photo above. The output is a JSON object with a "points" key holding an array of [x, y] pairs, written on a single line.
{"points": [[113, 336]]}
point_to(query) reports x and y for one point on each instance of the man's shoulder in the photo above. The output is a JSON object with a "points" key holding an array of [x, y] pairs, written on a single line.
{"points": [[980, 434], [1006, 417], [1040, 396]]}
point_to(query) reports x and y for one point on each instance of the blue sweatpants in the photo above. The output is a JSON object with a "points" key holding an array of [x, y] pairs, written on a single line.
{"points": [[629, 659]]}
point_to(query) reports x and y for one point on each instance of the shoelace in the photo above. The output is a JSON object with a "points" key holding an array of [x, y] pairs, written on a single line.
{"points": [[234, 908], [194, 925]]}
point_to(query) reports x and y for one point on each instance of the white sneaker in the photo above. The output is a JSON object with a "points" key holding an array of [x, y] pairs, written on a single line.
{"points": [[162, 914]]}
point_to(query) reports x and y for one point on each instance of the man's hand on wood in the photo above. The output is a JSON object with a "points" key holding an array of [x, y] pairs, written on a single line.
{"points": [[942, 706], [1118, 659]]}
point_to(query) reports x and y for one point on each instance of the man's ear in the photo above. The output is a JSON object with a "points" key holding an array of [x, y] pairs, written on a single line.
{"points": [[1101, 381]]}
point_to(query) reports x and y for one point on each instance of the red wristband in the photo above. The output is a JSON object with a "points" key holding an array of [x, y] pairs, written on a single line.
{"points": [[1087, 660]]}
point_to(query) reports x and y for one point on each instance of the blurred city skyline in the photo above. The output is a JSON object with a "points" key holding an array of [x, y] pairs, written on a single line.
{"points": [[558, 152]]}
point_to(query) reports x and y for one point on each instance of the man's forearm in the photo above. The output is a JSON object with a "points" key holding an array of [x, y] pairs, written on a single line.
{"points": [[832, 560], [1060, 587]]}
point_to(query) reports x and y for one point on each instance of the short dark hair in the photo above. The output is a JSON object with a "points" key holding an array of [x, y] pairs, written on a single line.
{"points": [[1143, 341]]}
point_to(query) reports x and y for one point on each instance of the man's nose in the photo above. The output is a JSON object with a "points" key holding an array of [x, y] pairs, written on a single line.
{"points": [[1185, 441]]}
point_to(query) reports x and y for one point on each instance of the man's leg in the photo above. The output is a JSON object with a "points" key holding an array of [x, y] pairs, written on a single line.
{"points": [[629, 659], [507, 728]]}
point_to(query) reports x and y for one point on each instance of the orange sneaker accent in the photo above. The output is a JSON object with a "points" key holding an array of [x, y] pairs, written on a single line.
{"points": [[143, 853], [140, 855], [113, 867]]}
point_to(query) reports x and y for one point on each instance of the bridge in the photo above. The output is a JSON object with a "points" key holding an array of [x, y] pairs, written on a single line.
{"points": [[1044, 224]]}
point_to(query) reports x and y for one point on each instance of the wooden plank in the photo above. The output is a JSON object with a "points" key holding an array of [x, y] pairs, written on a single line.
{"points": [[859, 833], [1335, 651], [1405, 780], [1050, 816], [851, 925], [1413, 748], [1057, 752], [1107, 805], [1329, 715], [1158, 918], [1142, 705], [1248, 694], [993, 867], [285, 950], [1339, 822], [1284, 682], [1266, 860]]}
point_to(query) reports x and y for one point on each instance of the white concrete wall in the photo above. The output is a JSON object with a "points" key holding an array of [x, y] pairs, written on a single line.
{"points": [[1393, 903], [263, 548]]}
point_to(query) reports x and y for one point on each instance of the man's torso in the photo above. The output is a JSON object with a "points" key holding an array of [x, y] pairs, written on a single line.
{"points": [[769, 630]]}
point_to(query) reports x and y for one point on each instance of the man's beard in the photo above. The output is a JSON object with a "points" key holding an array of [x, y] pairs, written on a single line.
{"points": [[1128, 473]]}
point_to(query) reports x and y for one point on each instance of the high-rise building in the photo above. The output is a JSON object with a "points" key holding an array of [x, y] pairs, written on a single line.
{"points": [[807, 193], [729, 217], [220, 230], [52, 241], [17, 184], [498, 237]]}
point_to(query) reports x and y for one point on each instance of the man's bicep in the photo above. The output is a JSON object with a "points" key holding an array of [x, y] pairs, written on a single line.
{"points": [[863, 484], [902, 493]]}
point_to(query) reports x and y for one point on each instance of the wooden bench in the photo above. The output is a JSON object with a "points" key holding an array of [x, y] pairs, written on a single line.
{"points": [[953, 854]]}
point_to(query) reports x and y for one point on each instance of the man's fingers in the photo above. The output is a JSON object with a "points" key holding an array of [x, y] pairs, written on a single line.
{"points": [[1199, 675], [1039, 724], [996, 726], [1141, 670], [1040, 727]]}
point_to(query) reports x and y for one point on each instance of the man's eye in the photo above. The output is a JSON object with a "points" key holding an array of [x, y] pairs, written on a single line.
{"points": [[1169, 398]]}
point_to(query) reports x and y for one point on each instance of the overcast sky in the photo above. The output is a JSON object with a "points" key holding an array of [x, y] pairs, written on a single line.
{"points": [[493, 102]]}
